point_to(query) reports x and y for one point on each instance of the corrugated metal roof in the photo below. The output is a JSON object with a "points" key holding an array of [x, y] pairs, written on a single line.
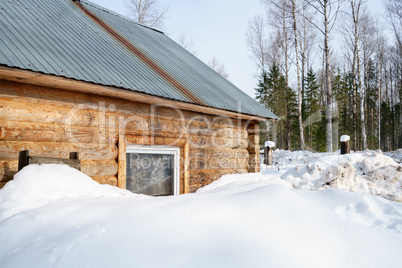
{"points": [[56, 37]]}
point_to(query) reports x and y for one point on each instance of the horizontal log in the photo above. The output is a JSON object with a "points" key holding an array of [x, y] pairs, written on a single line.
{"points": [[163, 127], [11, 110], [101, 116], [69, 99], [92, 168], [74, 163], [72, 99], [220, 153], [39, 132], [9, 150], [204, 142], [176, 112], [152, 140], [96, 168], [199, 179], [110, 180], [214, 163]]}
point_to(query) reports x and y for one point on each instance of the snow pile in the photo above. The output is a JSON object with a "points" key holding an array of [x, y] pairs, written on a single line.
{"points": [[397, 155], [239, 221], [345, 138], [37, 185], [369, 173], [284, 158], [64, 219]]}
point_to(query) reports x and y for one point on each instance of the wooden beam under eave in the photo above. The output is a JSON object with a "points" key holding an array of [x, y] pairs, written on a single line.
{"points": [[53, 81]]}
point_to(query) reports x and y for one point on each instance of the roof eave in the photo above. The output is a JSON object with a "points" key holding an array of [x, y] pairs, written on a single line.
{"points": [[48, 80]]}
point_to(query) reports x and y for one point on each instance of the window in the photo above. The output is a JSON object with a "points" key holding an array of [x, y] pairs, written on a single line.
{"points": [[153, 170]]}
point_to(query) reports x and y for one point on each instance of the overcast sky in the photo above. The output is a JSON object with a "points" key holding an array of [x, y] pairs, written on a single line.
{"points": [[217, 28]]}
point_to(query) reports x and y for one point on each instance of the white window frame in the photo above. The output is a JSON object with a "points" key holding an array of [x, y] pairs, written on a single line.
{"points": [[161, 149]]}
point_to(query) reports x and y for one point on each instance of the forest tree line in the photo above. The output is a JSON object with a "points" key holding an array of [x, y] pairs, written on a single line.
{"points": [[329, 68]]}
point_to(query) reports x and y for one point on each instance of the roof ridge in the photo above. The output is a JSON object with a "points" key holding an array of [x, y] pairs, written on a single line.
{"points": [[119, 15]]}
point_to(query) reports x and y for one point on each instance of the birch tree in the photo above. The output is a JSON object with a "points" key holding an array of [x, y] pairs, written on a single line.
{"points": [[299, 93], [380, 50], [355, 10], [328, 9]]}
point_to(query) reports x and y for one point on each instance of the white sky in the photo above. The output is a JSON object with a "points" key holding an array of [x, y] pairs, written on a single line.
{"points": [[218, 29]]}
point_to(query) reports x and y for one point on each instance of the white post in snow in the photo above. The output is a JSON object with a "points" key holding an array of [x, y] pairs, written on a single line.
{"points": [[345, 144], [269, 145]]}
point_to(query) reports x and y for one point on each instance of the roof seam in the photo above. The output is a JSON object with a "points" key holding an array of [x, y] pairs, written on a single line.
{"points": [[141, 55]]}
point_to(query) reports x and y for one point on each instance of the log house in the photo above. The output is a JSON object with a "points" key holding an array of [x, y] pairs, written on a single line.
{"points": [[143, 113]]}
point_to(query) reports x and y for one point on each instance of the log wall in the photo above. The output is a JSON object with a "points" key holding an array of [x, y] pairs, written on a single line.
{"points": [[52, 122]]}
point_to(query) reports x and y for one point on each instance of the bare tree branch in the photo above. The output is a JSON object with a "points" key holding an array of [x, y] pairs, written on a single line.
{"points": [[187, 44], [147, 12], [218, 67]]}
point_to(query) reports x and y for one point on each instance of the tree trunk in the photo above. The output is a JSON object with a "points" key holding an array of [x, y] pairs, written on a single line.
{"points": [[354, 103], [362, 110], [298, 76], [288, 129], [328, 81], [392, 145], [379, 103], [285, 32]]}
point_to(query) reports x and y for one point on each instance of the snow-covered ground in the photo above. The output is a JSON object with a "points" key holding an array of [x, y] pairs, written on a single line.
{"points": [[289, 215]]}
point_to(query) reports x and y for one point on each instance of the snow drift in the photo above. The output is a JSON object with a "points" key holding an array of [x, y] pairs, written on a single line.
{"points": [[37, 185], [54, 216]]}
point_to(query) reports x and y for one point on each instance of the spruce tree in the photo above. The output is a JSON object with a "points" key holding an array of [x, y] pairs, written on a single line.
{"points": [[273, 93], [312, 109]]}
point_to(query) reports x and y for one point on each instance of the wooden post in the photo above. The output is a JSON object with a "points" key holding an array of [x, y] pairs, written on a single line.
{"points": [[345, 149], [269, 145], [23, 159], [121, 160], [253, 148], [186, 164]]}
